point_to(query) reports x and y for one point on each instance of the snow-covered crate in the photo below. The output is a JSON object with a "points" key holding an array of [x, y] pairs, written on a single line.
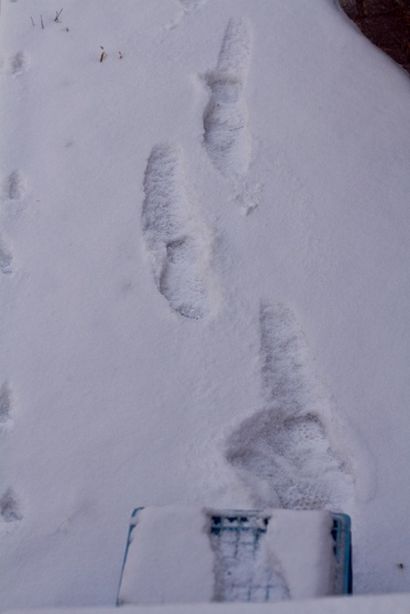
{"points": [[185, 554]]}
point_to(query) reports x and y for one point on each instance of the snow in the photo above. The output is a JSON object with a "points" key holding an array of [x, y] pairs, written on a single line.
{"points": [[394, 604], [169, 559], [204, 280], [302, 546]]}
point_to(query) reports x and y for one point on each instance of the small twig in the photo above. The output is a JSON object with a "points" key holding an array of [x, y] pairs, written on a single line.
{"points": [[103, 54], [33, 22], [57, 17], [42, 22]]}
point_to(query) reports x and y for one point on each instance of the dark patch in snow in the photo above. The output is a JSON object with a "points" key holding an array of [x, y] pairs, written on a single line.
{"points": [[5, 402], [14, 186], [9, 507], [18, 63], [6, 260]]}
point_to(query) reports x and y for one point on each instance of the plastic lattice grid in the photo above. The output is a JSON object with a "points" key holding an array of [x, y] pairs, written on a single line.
{"points": [[241, 572]]}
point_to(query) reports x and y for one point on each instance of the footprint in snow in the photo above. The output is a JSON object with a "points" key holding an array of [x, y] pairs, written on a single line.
{"points": [[226, 136], [177, 240], [6, 259], [14, 186], [10, 507], [5, 403], [283, 453], [15, 64]]}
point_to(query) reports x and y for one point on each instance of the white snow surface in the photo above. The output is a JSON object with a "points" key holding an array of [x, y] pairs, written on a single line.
{"points": [[250, 346], [394, 604], [169, 558], [301, 545]]}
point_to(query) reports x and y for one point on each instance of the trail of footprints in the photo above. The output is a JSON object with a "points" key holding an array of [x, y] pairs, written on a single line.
{"points": [[174, 235], [13, 190], [283, 453]]}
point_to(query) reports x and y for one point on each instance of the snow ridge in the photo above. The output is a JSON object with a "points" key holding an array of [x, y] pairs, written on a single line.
{"points": [[175, 237], [283, 452], [226, 132]]}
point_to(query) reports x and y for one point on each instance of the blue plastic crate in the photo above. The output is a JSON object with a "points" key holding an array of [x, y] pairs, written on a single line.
{"points": [[235, 536]]}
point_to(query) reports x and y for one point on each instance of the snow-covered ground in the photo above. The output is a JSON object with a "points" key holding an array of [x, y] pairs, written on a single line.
{"points": [[394, 604], [204, 279]]}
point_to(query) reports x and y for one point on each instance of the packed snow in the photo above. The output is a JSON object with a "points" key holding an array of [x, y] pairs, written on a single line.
{"points": [[204, 279]]}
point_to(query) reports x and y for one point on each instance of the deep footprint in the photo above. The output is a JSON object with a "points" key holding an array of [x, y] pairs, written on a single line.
{"points": [[283, 453], [227, 137], [176, 240]]}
